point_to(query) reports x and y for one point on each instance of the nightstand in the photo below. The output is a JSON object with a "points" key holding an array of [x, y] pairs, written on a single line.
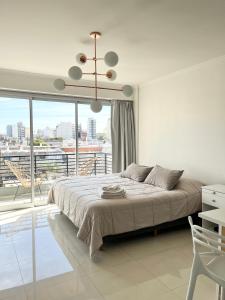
{"points": [[213, 196]]}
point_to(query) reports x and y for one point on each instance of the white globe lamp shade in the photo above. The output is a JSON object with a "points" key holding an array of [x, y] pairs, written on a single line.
{"points": [[59, 84], [96, 106], [81, 58], [75, 73], [111, 59], [111, 75], [127, 90]]}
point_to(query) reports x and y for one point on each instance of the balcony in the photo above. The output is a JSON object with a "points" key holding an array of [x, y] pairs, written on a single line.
{"points": [[48, 167]]}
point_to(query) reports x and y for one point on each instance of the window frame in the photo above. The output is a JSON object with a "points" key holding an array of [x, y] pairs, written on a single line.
{"points": [[31, 97]]}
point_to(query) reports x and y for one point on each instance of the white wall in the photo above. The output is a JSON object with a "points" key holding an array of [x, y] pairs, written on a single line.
{"points": [[26, 81], [182, 121]]}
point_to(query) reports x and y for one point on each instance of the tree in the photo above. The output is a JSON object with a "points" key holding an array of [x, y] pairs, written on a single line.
{"points": [[39, 142]]}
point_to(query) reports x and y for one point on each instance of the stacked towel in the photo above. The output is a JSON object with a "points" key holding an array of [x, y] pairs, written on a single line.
{"points": [[112, 192]]}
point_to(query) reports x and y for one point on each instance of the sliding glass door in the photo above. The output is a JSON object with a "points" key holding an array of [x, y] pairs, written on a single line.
{"points": [[15, 153], [54, 144], [94, 136], [43, 140]]}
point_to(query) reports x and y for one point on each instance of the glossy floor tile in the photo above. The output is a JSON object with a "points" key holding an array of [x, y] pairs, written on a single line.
{"points": [[41, 258]]}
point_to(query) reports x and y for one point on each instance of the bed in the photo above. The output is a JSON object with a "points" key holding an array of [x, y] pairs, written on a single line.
{"points": [[144, 206]]}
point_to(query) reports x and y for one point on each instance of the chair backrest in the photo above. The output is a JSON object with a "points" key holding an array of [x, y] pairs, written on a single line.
{"points": [[206, 238], [87, 167], [19, 172]]}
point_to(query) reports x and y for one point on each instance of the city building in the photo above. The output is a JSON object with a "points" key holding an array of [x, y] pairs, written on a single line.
{"points": [[91, 129], [12, 131], [9, 130], [18, 131], [21, 131], [47, 133], [65, 130], [27, 132], [83, 136]]}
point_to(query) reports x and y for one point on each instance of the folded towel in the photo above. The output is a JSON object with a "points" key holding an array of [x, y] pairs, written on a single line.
{"points": [[111, 188], [121, 192], [113, 197], [112, 192]]}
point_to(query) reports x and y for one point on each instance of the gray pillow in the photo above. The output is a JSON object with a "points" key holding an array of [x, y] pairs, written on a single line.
{"points": [[164, 178], [136, 172]]}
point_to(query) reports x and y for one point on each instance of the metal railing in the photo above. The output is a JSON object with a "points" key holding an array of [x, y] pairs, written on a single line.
{"points": [[56, 164]]}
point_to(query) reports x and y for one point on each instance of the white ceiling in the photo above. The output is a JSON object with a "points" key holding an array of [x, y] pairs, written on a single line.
{"points": [[152, 37]]}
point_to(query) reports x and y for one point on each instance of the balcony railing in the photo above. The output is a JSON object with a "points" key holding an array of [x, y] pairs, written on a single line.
{"points": [[55, 165]]}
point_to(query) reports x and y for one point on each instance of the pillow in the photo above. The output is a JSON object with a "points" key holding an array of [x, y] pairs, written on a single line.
{"points": [[136, 172], [164, 178]]}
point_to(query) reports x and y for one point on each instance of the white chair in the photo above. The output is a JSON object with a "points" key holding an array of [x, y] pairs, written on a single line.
{"points": [[209, 258]]}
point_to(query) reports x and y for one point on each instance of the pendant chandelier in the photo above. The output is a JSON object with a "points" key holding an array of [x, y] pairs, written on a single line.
{"points": [[111, 59]]}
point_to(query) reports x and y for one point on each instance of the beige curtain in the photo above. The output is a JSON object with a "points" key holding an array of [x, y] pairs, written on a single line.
{"points": [[123, 135]]}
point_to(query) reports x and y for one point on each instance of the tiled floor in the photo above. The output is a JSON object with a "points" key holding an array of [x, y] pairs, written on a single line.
{"points": [[41, 258]]}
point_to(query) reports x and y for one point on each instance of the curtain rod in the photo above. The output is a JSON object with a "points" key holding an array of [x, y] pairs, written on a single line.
{"points": [[48, 96]]}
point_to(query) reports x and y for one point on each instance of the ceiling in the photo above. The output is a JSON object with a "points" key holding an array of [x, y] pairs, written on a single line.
{"points": [[152, 37]]}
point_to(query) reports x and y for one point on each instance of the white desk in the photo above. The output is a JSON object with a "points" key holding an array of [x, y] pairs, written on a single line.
{"points": [[213, 196], [216, 216]]}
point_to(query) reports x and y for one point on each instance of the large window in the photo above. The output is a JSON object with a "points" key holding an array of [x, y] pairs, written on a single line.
{"points": [[42, 140]]}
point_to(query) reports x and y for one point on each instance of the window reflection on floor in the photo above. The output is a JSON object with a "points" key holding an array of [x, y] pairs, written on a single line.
{"points": [[29, 253]]}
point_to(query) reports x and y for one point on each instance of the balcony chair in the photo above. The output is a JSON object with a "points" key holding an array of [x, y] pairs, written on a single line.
{"points": [[87, 167], [209, 258], [22, 176]]}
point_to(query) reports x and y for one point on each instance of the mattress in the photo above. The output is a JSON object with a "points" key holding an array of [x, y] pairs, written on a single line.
{"points": [[144, 206]]}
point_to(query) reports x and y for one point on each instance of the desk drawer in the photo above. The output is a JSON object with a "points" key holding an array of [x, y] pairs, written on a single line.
{"points": [[213, 199]]}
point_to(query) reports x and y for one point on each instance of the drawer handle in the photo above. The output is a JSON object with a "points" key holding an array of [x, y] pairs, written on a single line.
{"points": [[213, 200], [214, 193]]}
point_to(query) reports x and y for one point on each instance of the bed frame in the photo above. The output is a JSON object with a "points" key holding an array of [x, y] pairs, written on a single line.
{"points": [[168, 226]]}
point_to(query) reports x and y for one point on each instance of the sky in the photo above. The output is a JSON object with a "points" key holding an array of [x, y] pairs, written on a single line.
{"points": [[48, 114]]}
